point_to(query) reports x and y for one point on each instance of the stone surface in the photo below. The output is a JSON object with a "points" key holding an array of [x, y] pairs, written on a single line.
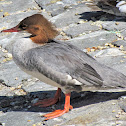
{"points": [[75, 30], [99, 34], [12, 7], [93, 39], [27, 119], [120, 42], [70, 16], [56, 6], [14, 79], [114, 26]]}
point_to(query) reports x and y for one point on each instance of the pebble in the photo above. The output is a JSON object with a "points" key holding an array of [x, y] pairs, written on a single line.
{"points": [[113, 111], [113, 103], [34, 125], [12, 103], [12, 88], [8, 55], [34, 100], [20, 86], [3, 124], [16, 107], [29, 106], [4, 50], [118, 123], [117, 116], [57, 119], [6, 14], [109, 52], [123, 97]]}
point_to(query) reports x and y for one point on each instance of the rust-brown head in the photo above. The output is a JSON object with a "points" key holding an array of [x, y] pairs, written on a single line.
{"points": [[40, 28]]}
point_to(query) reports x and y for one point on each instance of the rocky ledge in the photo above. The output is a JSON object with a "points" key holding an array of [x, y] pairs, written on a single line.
{"points": [[100, 34]]}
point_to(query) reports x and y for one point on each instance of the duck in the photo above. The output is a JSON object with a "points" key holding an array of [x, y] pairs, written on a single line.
{"points": [[115, 7], [59, 63]]}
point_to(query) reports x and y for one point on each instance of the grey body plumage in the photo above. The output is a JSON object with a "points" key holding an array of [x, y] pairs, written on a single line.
{"points": [[65, 64]]}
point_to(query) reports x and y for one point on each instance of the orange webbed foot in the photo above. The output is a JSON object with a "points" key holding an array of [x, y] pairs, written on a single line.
{"points": [[50, 101], [58, 113]]}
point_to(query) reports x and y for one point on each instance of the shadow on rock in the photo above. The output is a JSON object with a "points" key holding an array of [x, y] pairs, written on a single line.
{"points": [[100, 15], [24, 103]]}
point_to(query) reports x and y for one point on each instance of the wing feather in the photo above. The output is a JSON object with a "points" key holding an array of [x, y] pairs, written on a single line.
{"points": [[58, 60]]}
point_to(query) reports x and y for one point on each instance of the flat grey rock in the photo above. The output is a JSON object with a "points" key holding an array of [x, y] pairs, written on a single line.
{"points": [[123, 33], [70, 2], [93, 39], [56, 7], [120, 42], [11, 74], [114, 26], [122, 103], [113, 52], [118, 62], [112, 57], [33, 85], [43, 3], [20, 118], [56, 12], [53, 7], [70, 16], [13, 7], [75, 30]]}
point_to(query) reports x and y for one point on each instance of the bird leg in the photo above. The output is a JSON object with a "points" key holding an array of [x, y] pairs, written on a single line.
{"points": [[50, 101], [58, 113]]}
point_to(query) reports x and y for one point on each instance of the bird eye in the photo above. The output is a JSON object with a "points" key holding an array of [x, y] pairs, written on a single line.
{"points": [[23, 26]]}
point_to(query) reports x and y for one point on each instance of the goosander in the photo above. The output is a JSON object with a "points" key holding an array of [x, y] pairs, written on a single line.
{"points": [[59, 64], [116, 7]]}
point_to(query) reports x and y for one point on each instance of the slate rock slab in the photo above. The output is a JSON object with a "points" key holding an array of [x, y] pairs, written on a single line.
{"points": [[20, 119], [56, 6], [114, 26], [70, 16], [13, 7], [11, 74], [93, 39], [75, 30]]}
